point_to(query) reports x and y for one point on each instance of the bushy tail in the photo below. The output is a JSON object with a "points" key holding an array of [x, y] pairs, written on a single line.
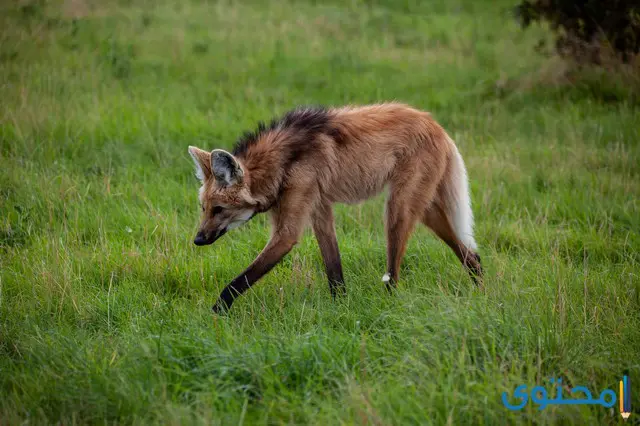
{"points": [[457, 200]]}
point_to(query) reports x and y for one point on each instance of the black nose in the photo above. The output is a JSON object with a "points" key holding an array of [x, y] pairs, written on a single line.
{"points": [[200, 240]]}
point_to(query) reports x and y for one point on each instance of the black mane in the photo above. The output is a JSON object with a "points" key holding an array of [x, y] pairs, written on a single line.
{"points": [[309, 121]]}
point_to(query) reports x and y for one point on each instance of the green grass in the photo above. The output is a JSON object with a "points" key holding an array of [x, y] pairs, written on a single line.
{"points": [[105, 302]]}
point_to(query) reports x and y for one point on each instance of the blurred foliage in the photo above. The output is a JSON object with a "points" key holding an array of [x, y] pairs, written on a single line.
{"points": [[589, 30]]}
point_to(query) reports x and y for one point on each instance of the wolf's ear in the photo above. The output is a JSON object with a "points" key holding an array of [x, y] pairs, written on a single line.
{"points": [[202, 159], [225, 168]]}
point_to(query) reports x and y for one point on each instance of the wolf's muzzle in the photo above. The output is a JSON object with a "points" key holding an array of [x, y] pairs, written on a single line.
{"points": [[202, 239]]}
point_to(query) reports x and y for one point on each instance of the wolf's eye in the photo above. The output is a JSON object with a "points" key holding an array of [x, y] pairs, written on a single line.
{"points": [[216, 210], [201, 207]]}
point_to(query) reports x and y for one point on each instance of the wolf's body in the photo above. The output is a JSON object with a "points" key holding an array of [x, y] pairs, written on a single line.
{"points": [[300, 165]]}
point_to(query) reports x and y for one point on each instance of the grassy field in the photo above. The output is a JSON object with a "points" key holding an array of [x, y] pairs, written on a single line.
{"points": [[105, 301]]}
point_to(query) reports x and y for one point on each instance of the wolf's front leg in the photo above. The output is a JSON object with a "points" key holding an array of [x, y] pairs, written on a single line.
{"points": [[324, 230], [273, 252], [288, 217]]}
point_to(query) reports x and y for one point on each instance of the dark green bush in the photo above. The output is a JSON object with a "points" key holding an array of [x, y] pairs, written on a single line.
{"points": [[588, 30]]}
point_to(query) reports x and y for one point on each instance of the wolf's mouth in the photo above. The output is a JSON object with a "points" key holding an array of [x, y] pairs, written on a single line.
{"points": [[218, 235]]}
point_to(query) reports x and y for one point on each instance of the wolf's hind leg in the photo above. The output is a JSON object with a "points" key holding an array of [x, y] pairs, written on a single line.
{"points": [[399, 223], [324, 230], [436, 219]]}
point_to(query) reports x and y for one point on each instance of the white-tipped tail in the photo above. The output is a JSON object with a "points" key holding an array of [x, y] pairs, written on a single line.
{"points": [[458, 203]]}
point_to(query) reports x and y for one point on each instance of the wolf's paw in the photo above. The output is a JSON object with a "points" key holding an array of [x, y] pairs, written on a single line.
{"points": [[389, 282], [220, 308]]}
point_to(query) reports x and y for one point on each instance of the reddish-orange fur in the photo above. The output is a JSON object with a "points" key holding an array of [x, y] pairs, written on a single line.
{"points": [[354, 152]]}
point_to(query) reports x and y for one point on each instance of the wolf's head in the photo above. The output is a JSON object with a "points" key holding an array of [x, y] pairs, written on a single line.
{"points": [[225, 199]]}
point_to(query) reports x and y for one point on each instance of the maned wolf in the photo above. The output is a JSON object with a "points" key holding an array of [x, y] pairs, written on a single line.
{"points": [[299, 165]]}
